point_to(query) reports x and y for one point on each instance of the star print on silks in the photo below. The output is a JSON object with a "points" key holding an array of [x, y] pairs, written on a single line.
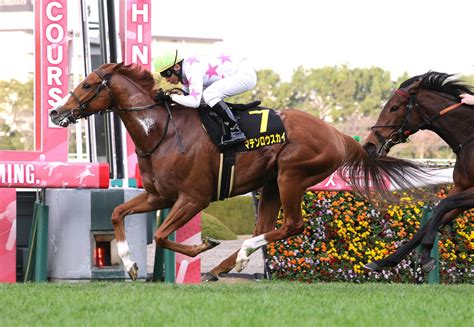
{"points": [[192, 60], [194, 94], [212, 71], [224, 58], [187, 81]]}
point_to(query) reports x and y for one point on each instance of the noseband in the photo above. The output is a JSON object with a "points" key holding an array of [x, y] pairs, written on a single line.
{"points": [[80, 111], [402, 134]]}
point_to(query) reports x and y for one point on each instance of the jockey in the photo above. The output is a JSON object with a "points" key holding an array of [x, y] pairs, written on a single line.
{"points": [[210, 79]]}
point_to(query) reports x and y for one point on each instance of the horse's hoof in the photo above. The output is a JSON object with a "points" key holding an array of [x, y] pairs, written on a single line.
{"points": [[373, 266], [241, 264], [208, 277], [428, 265], [211, 242], [133, 272]]}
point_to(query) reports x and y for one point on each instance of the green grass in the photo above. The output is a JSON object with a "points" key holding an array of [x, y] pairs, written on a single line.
{"points": [[237, 213], [212, 227], [265, 303]]}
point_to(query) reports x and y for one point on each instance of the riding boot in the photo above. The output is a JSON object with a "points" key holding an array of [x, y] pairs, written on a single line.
{"points": [[234, 133]]}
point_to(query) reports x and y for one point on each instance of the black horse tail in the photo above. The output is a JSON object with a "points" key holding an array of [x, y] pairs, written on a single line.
{"points": [[375, 178]]}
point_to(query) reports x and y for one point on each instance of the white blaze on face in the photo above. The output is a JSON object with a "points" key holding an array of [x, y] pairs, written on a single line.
{"points": [[125, 254], [147, 124]]}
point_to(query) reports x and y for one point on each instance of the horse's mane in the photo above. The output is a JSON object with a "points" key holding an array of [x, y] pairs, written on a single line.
{"points": [[139, 75], [439, 82]]}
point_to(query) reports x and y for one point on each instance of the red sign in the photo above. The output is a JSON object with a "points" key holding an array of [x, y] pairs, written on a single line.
{"points": [[332, 183], [7, 236], [53, 175], [135, 34], [188, 270], [51, 144]]}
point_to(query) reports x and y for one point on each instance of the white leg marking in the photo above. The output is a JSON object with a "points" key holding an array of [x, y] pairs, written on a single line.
{"points": [[248, 247], [125, 254]]}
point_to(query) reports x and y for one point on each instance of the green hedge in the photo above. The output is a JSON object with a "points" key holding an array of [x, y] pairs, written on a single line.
{"points": [[212, 227], [237, 213], [343, 232]]}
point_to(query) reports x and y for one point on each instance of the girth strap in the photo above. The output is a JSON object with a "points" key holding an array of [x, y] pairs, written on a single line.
{"points": [[225, 181]]}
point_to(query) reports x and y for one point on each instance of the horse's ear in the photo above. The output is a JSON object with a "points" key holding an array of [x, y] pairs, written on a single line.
{"points": [[414, 88], [117, 67]]}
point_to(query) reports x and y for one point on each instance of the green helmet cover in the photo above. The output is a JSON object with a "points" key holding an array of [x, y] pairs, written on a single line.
{"points": [[166, 60]]}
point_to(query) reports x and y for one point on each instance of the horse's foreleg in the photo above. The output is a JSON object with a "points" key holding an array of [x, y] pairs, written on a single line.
{"points": [[182, 211], [268, 206], [144, 202]]}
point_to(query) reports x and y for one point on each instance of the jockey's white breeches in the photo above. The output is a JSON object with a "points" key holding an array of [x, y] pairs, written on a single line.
{"points": [[242, 80]]}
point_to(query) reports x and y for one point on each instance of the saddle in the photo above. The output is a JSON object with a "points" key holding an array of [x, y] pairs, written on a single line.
{"points": [[262, 126]]}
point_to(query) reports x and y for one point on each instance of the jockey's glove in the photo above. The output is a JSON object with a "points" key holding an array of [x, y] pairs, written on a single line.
{"points": [[162, 97]]}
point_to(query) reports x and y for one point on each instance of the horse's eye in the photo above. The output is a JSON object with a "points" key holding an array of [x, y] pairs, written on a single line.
{"points": [[394, 108], [86, 86]]}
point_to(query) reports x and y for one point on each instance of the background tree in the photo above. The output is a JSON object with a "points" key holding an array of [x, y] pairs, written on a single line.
{"points": [[349, 99], [16, 115]]}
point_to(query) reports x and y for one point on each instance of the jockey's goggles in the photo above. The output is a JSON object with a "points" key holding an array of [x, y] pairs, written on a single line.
{"points": [[167, 73]]}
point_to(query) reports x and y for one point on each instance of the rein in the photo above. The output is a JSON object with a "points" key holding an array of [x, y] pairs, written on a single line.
{"points": [[83, 105], [401, 136], [178, 135]]}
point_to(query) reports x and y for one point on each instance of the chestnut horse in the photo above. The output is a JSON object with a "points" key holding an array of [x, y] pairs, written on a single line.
{"points": [[179, 165], [430, 101]]}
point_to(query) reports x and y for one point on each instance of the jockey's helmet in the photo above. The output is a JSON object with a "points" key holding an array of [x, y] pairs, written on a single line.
{"points": [[166, 60]]}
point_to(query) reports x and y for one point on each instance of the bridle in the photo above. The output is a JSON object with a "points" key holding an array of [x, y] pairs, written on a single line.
{"points": [[403, 132], [81, 111]]}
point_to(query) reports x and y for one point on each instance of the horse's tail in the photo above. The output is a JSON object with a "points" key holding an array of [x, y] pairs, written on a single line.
{"points": [[374, 178]]}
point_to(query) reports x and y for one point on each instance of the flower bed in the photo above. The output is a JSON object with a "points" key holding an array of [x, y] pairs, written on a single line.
{"points": [[343, 232]]}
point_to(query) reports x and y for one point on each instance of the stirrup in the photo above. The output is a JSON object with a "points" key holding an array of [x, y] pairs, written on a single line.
{"points": [[235, 137]]}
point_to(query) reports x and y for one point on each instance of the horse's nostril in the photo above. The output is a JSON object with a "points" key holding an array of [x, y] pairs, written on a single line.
{"points": [[53, 113]]}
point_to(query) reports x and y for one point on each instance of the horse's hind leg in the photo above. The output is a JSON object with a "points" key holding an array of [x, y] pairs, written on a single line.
{"points": [[443, 213], [460, 202], [268, 206], [182, 211], [395, 258], [291, 194], [144, 202]]}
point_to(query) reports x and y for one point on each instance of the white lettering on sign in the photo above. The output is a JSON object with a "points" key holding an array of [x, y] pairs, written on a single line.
{"points": [[136, 12], [54, 34], [17, 173], [140, 50], [49, 11], [59, 55]]}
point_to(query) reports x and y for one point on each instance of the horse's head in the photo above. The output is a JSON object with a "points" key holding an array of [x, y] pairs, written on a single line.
{"points": [[394, 121], [417, 104], [91, 96]]}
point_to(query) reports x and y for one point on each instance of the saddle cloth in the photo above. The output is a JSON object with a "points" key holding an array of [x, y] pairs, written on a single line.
{"points": [[262, 126]]}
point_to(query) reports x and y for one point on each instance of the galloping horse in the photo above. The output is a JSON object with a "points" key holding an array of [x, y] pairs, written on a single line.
{"points": [[184, 177], [430, 101]]}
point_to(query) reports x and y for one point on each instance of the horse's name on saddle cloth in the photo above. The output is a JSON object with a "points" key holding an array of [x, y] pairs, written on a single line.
{"points": [[254, 143], [262, 126]]}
